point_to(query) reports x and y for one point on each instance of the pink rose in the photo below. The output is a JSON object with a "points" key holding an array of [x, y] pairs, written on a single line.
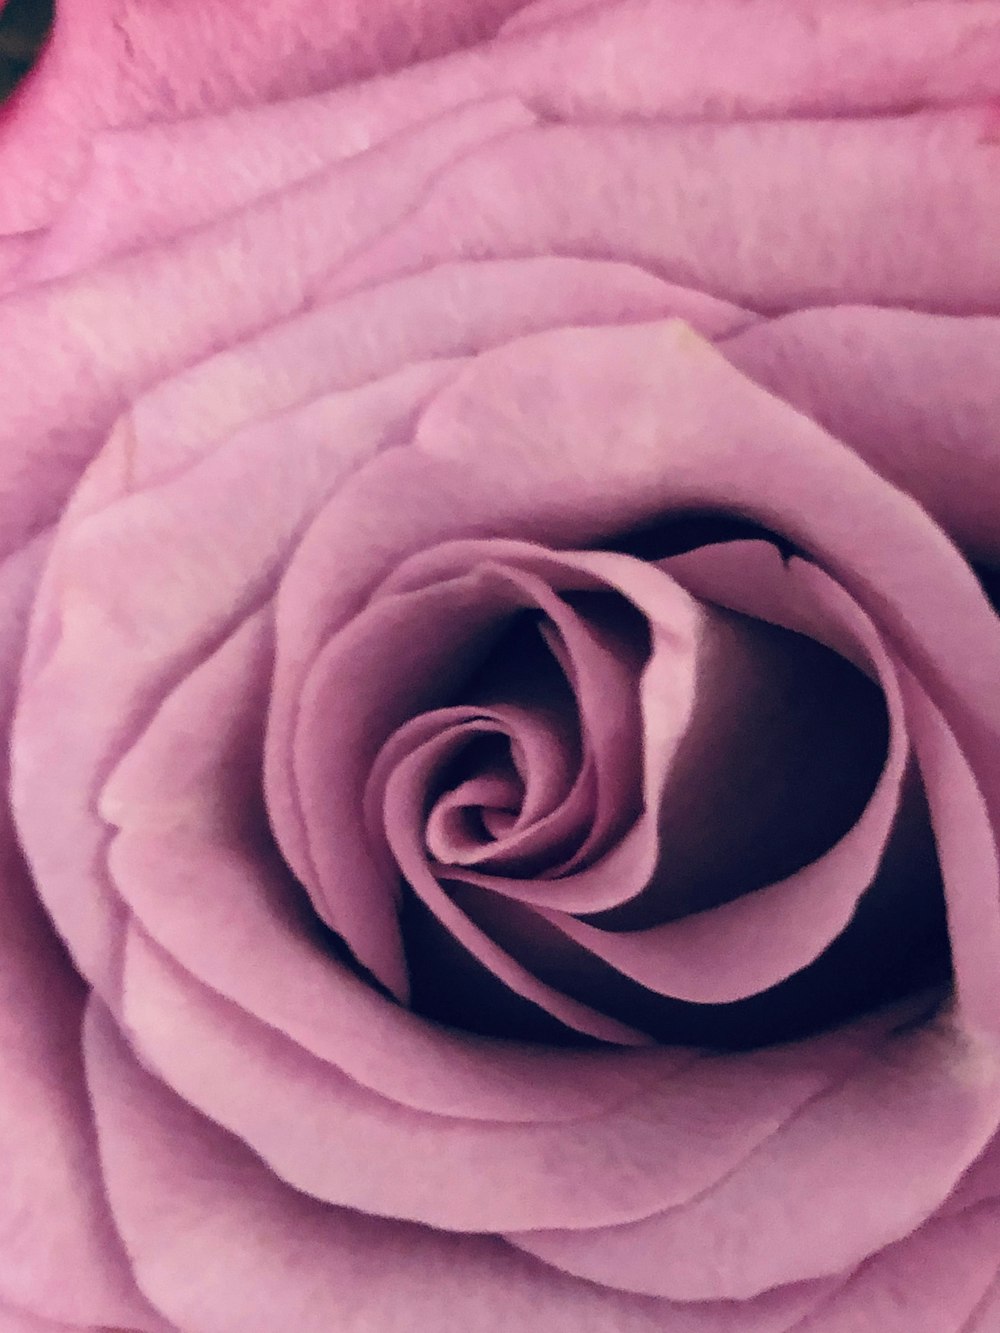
{"points": [[500, 668]]}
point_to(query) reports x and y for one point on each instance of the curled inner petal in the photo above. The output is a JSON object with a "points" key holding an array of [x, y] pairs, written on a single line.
{"points": [[662, 788]]}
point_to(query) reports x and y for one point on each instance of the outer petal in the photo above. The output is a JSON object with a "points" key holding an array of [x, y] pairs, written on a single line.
{"points": [[169, 433], [106, 65], [668, 59], [189, 1199], [459, 1174], [213, 563], [916, 395], [592, 432], [943, 1279], [53, 1215], [83, 331], [738, 210], [747, 1233]]}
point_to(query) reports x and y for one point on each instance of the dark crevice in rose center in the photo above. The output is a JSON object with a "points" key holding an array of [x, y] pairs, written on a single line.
{"points": [[689, 530], [530, 770], [24, 25], [896, 946], [797, 762], [989, 580]]}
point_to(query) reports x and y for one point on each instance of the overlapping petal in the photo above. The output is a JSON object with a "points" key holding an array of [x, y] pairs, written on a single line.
{"points": [[104, 66], [320, 418]]}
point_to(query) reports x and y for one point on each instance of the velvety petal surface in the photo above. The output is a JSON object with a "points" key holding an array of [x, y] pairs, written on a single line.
{"points": [[719, 436], [777, 236], [104, 66], [915, 395], [181, 530], [319, 300], [85, 328], [186, 1195]]}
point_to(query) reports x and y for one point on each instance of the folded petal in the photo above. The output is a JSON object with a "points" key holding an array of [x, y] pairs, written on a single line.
{"points": [[594, 62], [104, 652], [935, 1097], [104, 67], [579, 435], [255, 1254], [83, 331], [53, 1215], [775, 234], [596, 1171], [916, 395], [943, 1279]]}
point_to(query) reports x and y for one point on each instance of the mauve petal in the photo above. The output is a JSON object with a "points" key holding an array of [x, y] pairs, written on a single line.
{"points": [[195, 767], [707, 962], [936, 1281], [984, 1318], [454, 310], [541, 750], [540, 13], [916, 395], [104, 67], [83, 330], [647, 422], [934, 1096], [53, 1214], [980, 1184], [757, 940], [253, 948], [390, 662], [361, 687], [188, 862], [639, 423], [189, 1198], [103, 652], [968, 854], [307, 1120], [658, 58], [667, 57], [13, 1322], [597, 658], [404, 809], [778, 235], [20, 1321]]}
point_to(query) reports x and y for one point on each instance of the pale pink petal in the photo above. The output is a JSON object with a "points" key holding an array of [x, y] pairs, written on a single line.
{"points": [[53, 1214], [187, 817], [594, 1171], [104, 651], [190, 1199], [778, 233], [108, 335], [104, 67], [934, 1097], [659, 58], [917, 396], [21, 1321], [254, 948], [454, 310], [939, 1280]]}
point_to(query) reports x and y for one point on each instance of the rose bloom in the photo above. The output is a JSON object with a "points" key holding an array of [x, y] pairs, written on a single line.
{"points": [[500, 660]]}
